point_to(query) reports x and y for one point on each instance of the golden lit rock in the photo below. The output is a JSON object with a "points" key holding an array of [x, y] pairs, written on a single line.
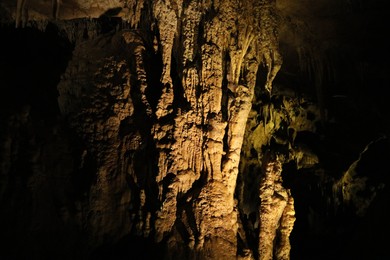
{"points": [[208, 129]]}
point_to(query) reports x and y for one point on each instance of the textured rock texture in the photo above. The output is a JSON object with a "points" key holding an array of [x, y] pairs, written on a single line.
{"points": [[183, 130]]}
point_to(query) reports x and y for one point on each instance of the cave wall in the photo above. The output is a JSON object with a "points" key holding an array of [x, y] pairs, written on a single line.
{"points": [[192, 130]]}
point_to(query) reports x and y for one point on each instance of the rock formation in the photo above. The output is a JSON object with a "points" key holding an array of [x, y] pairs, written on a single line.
{"points": [[175, 130]]}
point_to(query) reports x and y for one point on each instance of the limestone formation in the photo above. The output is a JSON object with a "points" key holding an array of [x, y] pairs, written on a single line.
{"points": [[276, 212], [176, 130], [194, 123]]}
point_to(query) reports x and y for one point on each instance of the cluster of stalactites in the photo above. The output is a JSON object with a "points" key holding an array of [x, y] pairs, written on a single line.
{"points": [[217, 56]]}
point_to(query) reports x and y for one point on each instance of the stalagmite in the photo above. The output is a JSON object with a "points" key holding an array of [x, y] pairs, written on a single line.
{"points": [[276, 212], [283, 248]]}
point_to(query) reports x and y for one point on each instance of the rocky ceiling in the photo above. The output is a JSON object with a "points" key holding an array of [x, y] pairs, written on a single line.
{"points": [[123, 136], [325, 31]]}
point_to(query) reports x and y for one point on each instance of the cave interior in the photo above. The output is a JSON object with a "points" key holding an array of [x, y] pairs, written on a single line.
{"points": [[333, 82]]}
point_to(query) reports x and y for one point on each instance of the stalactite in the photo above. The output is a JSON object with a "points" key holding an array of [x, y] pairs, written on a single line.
{"points": [[21, 13], [139, 53], [56, 8], [167, 19], [268, 42]]}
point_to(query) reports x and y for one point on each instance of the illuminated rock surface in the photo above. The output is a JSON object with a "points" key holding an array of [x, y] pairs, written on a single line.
{"points": [[193, 129]]}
